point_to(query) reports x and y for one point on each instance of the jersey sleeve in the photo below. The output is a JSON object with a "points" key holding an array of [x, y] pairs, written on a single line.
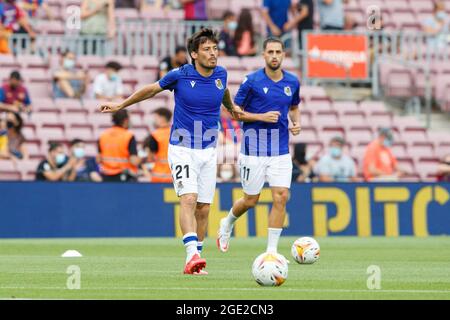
{"points": [[296, 97], [244, 93], [169, 81]]}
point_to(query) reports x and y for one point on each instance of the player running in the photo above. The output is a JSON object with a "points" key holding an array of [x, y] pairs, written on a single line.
{"points": [[200, 89], [268, 96]]}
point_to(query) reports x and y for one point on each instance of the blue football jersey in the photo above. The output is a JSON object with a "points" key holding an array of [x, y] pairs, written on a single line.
{"points": [[197, 105], [260, 94]]}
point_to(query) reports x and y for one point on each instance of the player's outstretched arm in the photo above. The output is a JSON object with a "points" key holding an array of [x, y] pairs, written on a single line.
{"points": [[145, 93], [270, 117], [235, 111]]}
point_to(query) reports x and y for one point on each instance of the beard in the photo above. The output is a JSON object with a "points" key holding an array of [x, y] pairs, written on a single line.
{"points": [[207, 66], [274, 68]]}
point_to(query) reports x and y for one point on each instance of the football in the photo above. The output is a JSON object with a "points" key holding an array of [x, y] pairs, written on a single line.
{"points": [[270, 269], [305, 250]]}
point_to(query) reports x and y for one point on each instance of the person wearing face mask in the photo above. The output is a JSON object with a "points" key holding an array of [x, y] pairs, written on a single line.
{"points": [[379, 163], [156, 147], [169, 63], [226, 37], [108, 86], [84, 169], [436, 27], [57, 166], [227, 173], [68, 82], [118, 156], [14, 96], [335, 166]]}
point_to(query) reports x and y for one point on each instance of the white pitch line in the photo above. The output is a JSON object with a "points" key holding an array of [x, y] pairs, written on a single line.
{"points": [[233, 289]]}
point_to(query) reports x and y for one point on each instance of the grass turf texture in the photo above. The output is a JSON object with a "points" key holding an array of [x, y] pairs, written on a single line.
{"points": [[151, 268]]}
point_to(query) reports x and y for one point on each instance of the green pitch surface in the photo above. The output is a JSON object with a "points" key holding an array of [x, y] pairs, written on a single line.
{"points": [[411, 268]]}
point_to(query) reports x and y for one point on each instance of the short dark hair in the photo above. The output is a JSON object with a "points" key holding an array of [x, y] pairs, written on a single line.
{"points": [[272, 40], [200, 37], [119, 117], [228, 14], [114, 65], [15, 75], [66, 52], [75, 141], [52, 145], [179, 49], [164, 112]]}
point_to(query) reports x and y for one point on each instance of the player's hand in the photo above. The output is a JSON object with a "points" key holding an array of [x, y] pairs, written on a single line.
{"points": [[295, 129], [110, 107], [271, 116], [237, 112]]}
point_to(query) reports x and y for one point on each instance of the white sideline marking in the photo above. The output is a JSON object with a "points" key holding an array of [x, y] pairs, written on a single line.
{"points": [[233, 289]]}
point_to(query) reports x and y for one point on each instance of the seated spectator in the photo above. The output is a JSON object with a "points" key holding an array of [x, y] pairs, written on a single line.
{"points": [[16, 140], [67, 81], [332, 16], [156, 146], [97, 20], [227, 173], [195, 10], [302, 169], [108, 85], [12, 20], [335, 166], [443, 174], [84, 169], [226, 37], [14, 96], [57, 166], [437, 26], [169, 63], [245, 35], [129, 4], [31, 7], [379, 163]]}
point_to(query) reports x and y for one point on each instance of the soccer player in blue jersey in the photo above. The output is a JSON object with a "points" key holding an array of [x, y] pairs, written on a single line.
{"points": [[200, 90], [268, 96]]}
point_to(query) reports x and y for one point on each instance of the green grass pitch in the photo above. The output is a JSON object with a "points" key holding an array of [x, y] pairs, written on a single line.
{"points": [[151, 268]]}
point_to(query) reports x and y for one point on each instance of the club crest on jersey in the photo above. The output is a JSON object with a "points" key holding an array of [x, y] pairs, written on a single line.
{"points": [[287, 91], [219, 84]]}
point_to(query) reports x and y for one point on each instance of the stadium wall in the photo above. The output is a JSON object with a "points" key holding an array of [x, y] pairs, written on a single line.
{"points": [[34, 210]]}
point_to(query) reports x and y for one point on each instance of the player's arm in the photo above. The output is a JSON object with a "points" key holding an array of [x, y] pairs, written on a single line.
{"points": [[294, 115], [145, 93], [270, 117], [235, 111]]}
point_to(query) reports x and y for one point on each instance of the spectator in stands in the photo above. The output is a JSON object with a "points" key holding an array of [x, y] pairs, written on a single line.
{"points": [[31, 7], [84, 169], [195, 10], [108, 85], [437, 26], [57, 166], [302, 169], [97, 19], [16, 140], [67, 81], [227, 173], [275, 14], [14, 95], [12, 20], [226, 37], [335, 166], [332, 16], [170, 63], [156, 146], [4, 151], [303, 19], [443, 174], [244, 38], [118, 156], [379, 163], [128, 4]]}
